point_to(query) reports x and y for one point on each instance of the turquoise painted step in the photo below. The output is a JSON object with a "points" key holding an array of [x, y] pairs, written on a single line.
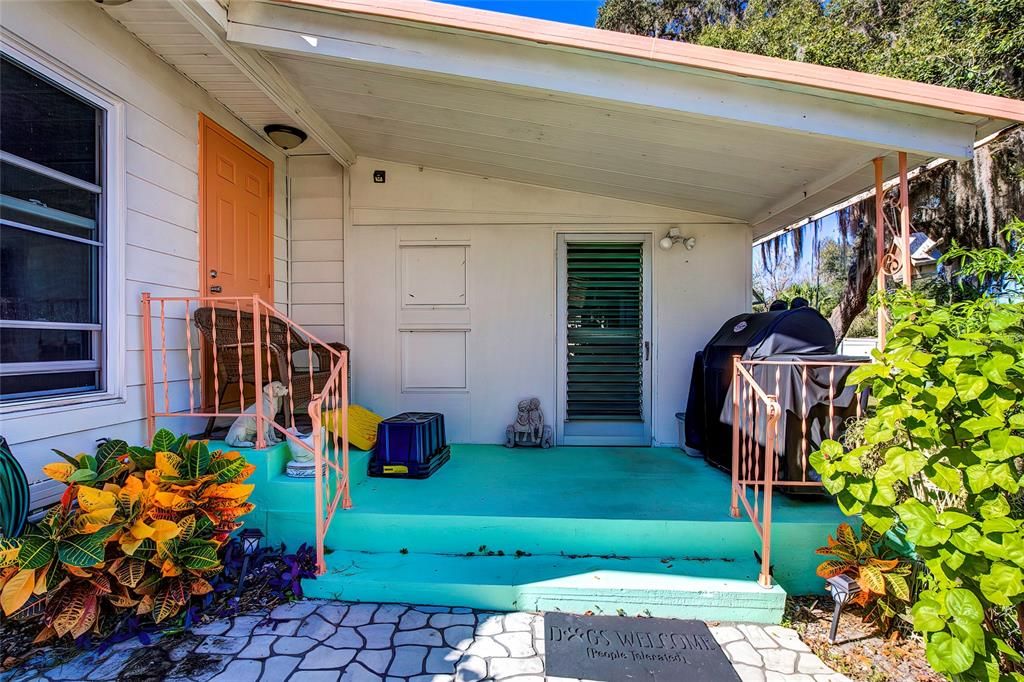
{"points": [[708, 590], [457, 534], [270, 465], [634, 502]]}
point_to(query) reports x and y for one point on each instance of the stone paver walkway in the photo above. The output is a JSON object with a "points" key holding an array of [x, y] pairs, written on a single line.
{"points": [[326, 641]]}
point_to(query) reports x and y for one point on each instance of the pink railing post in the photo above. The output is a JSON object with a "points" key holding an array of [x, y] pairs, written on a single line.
{"points": [[216, 368], [163, 356], [257, 356], [346, 502], [188, 354], [147, 347], [771, 428], [241, 367], [734, 506], [315, 418]]}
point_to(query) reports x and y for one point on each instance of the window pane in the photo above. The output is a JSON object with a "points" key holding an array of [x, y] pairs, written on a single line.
{"points": [[29, 385], [49, 279], [40, 201], [45, 124], [45, 345]]}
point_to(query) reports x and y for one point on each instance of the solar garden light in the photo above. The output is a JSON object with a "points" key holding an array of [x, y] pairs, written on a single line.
{"points": [[251, 539], [842, 587]]}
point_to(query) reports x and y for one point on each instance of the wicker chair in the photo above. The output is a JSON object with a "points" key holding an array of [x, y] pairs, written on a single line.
{"points": [[283, 347]]}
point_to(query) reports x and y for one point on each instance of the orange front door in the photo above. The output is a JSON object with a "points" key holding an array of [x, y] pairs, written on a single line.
{"points": [[236, 211]]}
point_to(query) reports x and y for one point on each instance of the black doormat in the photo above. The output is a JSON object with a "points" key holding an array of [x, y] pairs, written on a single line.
{"points": [[614, 649]]}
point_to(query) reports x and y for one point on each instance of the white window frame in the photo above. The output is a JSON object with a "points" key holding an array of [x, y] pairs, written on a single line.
{"points": [[112, 295]]}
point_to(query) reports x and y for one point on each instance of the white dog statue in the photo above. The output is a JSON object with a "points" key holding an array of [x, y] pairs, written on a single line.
{"points": [[242, 433]]}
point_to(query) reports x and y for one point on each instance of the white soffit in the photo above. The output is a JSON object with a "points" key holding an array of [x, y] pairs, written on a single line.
{"points": [[759, 152], [167, 33], [717, 144]]}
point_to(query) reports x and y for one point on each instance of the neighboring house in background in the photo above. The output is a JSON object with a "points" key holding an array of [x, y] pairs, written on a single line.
{"points": [[924, 254], [459, 170]]}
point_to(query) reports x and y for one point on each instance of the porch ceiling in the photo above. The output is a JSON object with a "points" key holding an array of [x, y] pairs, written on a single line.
{"points": [[495, 104], [598, 147]]}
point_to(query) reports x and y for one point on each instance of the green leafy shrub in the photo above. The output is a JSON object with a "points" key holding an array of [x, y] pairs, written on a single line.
{"points": [[138, 531], [942, 457]]}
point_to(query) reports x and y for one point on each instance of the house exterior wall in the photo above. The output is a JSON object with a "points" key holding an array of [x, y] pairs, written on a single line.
{"points": [[316, 211], [159, 221], [338, 236], [475, 360]]}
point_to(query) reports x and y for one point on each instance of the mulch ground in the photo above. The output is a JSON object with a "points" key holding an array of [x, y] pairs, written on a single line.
{"points": [[861, 652]]}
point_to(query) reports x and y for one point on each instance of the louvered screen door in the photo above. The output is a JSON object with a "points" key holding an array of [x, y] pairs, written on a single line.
{"points": [[604, 330]]}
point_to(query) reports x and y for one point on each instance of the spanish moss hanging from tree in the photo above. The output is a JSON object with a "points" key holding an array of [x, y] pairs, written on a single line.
{"points": [[968, 202]]}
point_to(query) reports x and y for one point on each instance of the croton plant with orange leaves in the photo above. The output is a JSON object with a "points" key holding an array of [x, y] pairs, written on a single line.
{"points": [[884, 588], [137, 528]]}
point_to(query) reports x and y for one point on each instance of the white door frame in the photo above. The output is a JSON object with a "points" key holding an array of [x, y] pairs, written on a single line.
{"points": [[604, 434]]}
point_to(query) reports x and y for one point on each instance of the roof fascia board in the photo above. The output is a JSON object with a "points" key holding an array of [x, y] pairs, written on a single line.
{"points": [[210, 19], [556, 34], [572, 76]]}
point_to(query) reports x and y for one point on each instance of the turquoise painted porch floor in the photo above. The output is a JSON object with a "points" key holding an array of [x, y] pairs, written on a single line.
{"points": [[638, 530]]}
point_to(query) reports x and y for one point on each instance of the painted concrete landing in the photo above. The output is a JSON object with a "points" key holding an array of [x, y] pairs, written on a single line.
{"points": [[595, 529]]}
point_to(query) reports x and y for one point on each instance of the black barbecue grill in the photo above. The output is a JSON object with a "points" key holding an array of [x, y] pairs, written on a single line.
{"points": [[791, 338]]}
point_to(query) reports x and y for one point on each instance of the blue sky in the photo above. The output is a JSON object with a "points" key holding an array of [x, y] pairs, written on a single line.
{"points": [[582, 12]]}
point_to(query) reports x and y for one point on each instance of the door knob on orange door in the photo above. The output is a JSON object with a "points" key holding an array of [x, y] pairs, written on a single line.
{"points": [[215, 289]]}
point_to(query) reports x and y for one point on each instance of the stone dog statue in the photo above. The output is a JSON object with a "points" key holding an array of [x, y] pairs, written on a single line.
{"points": [[529, 429]]}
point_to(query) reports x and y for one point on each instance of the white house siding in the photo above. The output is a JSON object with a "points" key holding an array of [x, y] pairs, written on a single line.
{"points": [[161, 248], [508, 324], [316, 195]]}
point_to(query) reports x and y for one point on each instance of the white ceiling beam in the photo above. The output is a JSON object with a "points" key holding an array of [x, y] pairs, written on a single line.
{"points": [[823, 182], [210, 19], [567, 76]]}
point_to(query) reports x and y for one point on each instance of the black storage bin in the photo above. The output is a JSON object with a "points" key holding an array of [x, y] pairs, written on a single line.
{"points": [[410, 445]]}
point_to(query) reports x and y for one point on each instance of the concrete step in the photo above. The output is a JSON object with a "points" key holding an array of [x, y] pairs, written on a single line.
{"points": [[710, 589], [459, 534]]}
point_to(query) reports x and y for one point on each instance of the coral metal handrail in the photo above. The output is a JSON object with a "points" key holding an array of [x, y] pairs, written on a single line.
{"points": [[755, 438], [758, 407], [246, 350]]}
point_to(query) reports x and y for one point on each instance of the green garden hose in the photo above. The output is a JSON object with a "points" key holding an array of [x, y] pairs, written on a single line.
{"points": [[14, 495]]}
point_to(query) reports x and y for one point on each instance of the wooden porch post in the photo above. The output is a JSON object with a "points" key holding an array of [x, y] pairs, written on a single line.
{"points": [[908, 267], [880, 245]]}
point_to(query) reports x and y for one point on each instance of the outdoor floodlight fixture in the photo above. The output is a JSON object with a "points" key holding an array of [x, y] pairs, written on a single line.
{"points": [[675, 237], [285, 137], [843, 588]]}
